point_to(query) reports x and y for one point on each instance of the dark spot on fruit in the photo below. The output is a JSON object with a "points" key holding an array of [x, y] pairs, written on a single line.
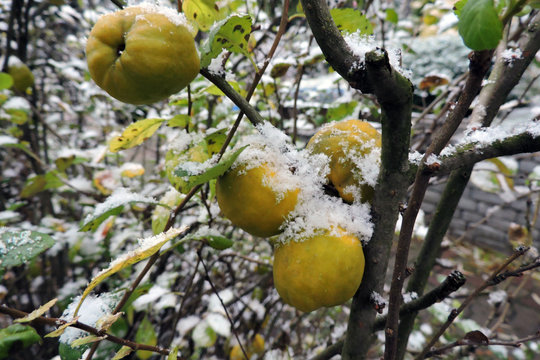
{"points": [[216, 7], [238, 28], [120, 48], [134, 130], [246, 37], [211, 142], [194, 15]]}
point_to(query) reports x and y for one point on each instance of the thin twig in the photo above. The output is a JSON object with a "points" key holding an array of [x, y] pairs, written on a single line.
{"points": [[455, 312], [57, 322], [215, 290]]}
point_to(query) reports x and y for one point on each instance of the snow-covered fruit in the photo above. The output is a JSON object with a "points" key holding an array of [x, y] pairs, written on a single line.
{"points": [[353, 147], [321, 270], [257, 193], [22, 76], [142, 54]]}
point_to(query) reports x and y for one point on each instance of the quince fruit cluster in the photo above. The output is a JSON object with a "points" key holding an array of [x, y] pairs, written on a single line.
{"points": [[324, 267], [142, 54]]}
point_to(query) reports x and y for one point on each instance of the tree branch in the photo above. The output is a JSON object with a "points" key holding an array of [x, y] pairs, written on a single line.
{"points": [[452, 283], [520, 251], [57, 322]]}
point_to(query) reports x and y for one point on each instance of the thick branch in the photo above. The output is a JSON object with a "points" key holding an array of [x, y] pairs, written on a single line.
{"points": [[338, 54], [452, 283], [253, 115]]}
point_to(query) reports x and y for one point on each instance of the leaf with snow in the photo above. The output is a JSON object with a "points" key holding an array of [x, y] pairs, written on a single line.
{"points": [[231, 34], [206, 174], [113, 205], [202, 12], [203, 335], [135, 134], [37, 313], [148, 247], [122, 353], [349, 20], [479, 25], [106, 321], [19, 246], [146, 334], [86, 340]]}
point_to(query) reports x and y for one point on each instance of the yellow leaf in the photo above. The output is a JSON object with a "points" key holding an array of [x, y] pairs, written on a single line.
{"points": [[131, 170], [105, 322], [173, 354], [203, 12], [86, 340], [122, 353], [38, 312], [62, 328], [148, 247], [135, 134]]}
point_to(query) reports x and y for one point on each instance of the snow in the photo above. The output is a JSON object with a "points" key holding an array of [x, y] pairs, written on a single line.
{"points": [[18, 238], [94, 308], [511, 55], [497, 297], [120, 196], [178, 19], [361, 44]]}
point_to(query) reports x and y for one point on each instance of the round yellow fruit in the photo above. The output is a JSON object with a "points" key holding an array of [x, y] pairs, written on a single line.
{"points": [[322, 270], [142, 54], [350, 147], [22, 76], [254, 198]]}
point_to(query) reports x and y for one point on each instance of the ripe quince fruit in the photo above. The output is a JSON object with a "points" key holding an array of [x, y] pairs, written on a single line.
{"points": [[22, 76], [142, 54], [349, 144], [254, 197], [320, 270]]}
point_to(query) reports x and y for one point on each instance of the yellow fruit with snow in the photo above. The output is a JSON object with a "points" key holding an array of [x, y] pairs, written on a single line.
{"points": [[257, 195], [352, 147], [320, 270], [142, 54]]}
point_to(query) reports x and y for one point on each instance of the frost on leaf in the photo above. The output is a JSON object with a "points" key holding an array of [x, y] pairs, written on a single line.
{"points": [[18, 246]]}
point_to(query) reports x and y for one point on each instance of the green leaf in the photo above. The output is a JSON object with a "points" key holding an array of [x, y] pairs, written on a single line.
{"points": [[63, 162], [18, 116], [340, 111], [219, 242], [122, 353], [6, 81], [145, 335], [231, 34], [180, 121], [391, 16], [113, 206], [458, 6], [203, 12], [19, 246], [135, 134], [160, 215], [213, 172], [279, 70], [148, 247], [350, 21], [17, 333], [479, 25], [173, 354]]}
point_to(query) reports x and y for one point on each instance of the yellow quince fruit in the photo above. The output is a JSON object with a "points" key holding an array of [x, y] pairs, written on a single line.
{"points": [[354, 164], [142, 54], [320, 270], [257, 195]]}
